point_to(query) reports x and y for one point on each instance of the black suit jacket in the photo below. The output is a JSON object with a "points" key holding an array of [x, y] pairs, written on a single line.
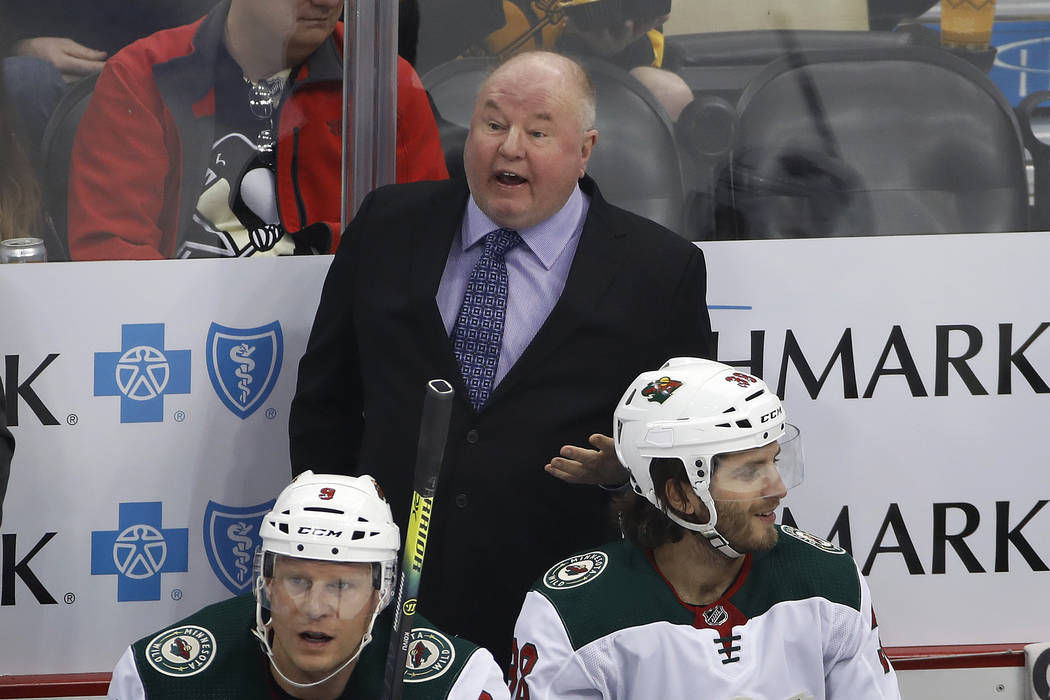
{"points": [[634, 297]]}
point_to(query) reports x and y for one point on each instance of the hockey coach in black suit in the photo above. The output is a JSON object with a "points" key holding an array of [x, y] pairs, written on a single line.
{"points": [[537, 300]]}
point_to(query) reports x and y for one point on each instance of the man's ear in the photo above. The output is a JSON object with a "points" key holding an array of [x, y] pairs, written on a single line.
{"points": [[676, 498], [590, 137]]}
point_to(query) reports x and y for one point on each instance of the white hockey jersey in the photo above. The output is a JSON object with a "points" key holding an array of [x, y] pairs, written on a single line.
{"points": [[797, 624]]}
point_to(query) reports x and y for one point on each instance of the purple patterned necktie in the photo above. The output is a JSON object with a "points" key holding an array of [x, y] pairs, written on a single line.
{"points": [[478, 333]]}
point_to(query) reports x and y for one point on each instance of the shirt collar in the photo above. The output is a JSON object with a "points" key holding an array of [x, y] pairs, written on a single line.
{"points": [[546, 239]]}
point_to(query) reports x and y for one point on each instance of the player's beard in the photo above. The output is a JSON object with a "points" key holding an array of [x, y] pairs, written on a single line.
{"points": [[744, 532]]}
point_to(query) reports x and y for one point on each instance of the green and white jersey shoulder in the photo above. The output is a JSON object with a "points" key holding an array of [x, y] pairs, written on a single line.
{"points": [[212, 654], [796, 624]]}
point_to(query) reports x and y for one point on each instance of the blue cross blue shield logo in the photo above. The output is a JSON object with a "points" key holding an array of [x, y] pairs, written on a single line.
{"points": [[244, 364], [231, 536]]}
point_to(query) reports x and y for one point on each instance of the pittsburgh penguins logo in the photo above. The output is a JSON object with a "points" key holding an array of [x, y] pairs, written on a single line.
{"points": [[238, 204]]}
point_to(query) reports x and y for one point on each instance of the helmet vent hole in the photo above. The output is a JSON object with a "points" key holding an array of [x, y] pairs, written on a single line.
{"points": [[755, 395], [723, 425], [628, 401], [743, 423], [730, 409], [283, 527], [358, 535], [318, 509]]}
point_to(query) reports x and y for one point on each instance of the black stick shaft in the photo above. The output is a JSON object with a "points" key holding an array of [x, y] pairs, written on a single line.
{"points": [[433, 433]]}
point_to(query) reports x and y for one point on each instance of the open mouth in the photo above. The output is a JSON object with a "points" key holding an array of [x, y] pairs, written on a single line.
{"points": [[315, 637], [510, 179]]}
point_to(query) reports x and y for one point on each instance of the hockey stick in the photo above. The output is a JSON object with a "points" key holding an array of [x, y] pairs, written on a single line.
{"points": [[433, 432]]}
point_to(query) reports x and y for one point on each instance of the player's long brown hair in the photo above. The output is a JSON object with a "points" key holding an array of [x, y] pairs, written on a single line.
{"points": [[640, 521], [19, 190]]}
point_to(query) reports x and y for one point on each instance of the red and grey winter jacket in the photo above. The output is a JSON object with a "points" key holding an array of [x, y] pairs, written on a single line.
{"points": [[143, 145]]}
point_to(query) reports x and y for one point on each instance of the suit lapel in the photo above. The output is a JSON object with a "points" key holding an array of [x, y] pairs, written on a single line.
{"points": [[597, 259], [438, 222]]}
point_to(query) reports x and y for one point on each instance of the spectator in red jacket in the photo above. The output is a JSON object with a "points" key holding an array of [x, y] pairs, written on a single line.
{"points": [[223, 138]]}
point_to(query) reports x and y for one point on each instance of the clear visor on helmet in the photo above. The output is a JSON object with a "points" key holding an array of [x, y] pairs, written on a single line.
{"points": [[311, 589], [760, 472]]}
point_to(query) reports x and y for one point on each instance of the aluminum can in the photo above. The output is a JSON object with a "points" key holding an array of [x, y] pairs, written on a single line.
{"points": [[22, 250]]}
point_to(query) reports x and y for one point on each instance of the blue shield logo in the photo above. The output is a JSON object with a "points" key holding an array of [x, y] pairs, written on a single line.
{"points": [[231, 536], [244, 364]]}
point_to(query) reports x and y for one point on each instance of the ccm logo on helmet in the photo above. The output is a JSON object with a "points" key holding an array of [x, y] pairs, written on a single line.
{"points": [[773, 415], [320, 532]]}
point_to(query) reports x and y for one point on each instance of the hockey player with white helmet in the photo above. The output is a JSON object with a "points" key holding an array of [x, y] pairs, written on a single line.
{"points": [[706, 596], [313, 627]]}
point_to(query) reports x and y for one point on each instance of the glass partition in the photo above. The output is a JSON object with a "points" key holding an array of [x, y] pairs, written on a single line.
{"points": [[224, 135], [776, 120]]}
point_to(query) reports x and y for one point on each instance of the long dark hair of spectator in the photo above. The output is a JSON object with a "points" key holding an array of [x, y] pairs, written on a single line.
{"points": [[19, 189]]}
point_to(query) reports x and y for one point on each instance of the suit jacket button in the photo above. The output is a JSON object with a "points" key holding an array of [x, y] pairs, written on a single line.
{"points": [[473, 437], [462, 500]]}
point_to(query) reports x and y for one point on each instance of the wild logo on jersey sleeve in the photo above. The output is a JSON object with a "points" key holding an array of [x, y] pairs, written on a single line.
{"points": [[813, 540], [430, 654], [576, 570], [181, 651]]}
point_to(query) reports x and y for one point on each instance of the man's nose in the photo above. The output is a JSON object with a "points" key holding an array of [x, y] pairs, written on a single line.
{"points": [[315, 603], [776, 488], [513, 143]]}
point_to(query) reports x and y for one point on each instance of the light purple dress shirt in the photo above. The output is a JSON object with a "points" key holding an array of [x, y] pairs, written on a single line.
{"points": [[536, 272]]}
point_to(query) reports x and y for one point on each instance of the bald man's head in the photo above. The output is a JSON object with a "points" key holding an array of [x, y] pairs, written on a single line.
{"points": [[575, 79], [530, 138]]}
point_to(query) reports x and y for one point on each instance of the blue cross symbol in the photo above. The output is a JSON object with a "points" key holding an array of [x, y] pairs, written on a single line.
{"points": [[139, 551], [142, 373]]}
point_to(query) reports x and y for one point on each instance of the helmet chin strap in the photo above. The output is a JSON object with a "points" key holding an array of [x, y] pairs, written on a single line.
{"points": [[707, 530], [262, 633]]}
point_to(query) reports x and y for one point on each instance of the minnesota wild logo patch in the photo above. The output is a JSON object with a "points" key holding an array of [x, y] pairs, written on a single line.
{"points": [[813, 540], [181, 651], [660, 390], [430, 654], [575, 571]]}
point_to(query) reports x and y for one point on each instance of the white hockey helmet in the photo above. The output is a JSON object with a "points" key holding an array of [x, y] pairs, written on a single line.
{"points": [[328, 518], [331, 517], [694, 410]]}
